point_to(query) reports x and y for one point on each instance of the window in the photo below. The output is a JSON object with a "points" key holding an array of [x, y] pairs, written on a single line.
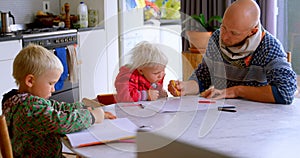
{"points": [[288, 29]]}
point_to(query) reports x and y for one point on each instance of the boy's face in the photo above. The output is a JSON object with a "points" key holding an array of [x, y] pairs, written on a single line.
{"points": [[43, 85], [153, 73]]}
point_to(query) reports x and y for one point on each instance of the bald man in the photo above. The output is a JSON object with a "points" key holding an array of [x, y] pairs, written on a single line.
{"points": [[242, 60]]}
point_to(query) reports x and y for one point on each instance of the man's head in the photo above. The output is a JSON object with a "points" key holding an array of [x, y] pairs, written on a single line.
{"points": [[240, 21], [36, 70]]}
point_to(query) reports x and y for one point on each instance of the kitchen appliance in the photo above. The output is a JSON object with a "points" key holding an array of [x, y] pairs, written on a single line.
{"points": [[5, 22], [52, 38]]}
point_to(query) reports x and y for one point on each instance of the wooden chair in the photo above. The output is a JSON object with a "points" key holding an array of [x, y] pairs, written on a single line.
{"points": [[289, 56], [107, 99], [5, 144]]}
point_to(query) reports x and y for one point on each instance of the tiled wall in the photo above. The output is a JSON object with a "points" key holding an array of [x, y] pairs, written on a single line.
{"points": [[24, 10]]}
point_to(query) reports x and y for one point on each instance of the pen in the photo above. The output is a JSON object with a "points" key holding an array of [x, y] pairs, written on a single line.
{"points": [[100, 143], [130, 105], [227, 110], [142, 106], [89, 144], [206, 101]]}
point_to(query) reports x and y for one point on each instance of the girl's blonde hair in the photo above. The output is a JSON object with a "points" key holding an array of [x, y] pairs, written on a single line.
{"points": [[146, 54], [35, 60]]}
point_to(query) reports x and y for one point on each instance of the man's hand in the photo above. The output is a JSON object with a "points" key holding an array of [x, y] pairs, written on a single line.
{"points": [[219, 94]]}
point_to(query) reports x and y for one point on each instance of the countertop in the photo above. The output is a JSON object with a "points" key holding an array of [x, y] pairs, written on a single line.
{"points": [[163, 22], [9, 38]]}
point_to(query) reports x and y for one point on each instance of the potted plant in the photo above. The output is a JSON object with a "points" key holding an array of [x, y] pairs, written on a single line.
{"points": [[198, 35]]}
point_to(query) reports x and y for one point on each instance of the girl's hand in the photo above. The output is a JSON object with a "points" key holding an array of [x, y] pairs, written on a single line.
{"points": [[163, 94], [152, 94], [174, 88]]}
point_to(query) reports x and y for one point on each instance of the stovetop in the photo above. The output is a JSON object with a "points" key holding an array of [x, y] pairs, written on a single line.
{"points": [[37, 32], [50, 33], [40, 30], [48, 37]]}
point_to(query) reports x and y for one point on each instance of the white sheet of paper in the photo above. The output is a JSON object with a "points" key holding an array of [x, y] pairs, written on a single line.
{"points": [[176, 104], [108, 130]]}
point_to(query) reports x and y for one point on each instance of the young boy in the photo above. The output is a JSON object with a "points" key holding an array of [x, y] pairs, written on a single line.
{"points": [[36, 123], [142, 79]]}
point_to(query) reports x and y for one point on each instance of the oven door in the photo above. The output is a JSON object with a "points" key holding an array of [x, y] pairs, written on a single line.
{"points": [[69, 93], [52, 40]]}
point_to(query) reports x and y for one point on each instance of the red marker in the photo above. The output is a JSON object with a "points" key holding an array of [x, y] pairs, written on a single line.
{"points": [[206, 101]]}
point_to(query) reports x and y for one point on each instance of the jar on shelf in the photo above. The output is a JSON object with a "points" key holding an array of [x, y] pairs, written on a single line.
{"points": [[93, 17]]}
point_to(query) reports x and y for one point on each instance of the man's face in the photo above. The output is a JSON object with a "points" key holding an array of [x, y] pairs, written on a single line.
{"points": [[232, 34]]}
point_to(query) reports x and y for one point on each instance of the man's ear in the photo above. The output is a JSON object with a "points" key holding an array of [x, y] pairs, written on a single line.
{"points": [[253, 31], [29, 80]]}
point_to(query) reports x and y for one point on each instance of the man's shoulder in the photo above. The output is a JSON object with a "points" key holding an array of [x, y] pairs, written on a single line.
{"points": [[271, 40]]}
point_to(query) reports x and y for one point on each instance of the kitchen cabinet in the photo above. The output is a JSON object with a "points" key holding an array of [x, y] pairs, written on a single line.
{"points": [[93, 68], [9, 49], [98, 51]]}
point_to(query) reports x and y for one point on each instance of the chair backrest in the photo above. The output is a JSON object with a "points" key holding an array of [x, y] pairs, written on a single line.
{"points": [[107, 99], [289, 56], [5, 144]]}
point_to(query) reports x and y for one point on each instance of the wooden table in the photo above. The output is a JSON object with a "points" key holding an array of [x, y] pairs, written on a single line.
{"points": [[255, 130]]}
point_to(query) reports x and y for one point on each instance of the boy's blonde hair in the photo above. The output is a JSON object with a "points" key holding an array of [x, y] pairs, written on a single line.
{"points": [[146, 54], [35, 60]]}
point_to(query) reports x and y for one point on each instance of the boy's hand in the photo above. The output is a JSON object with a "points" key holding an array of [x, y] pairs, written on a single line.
{"points": [[109, 115], [98, 113], [91, 103]]}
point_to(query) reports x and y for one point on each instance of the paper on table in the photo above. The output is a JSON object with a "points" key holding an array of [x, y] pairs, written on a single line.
{"points": [[107, 131], [175, 104]]}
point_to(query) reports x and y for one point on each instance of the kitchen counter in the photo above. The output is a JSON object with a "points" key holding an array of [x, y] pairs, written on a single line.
{"points": [[163, 22], [9, 38], [19, 36], [91, 28]]}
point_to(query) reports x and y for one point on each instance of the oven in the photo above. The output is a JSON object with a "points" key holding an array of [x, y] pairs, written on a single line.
{"points": [[53, 39]]}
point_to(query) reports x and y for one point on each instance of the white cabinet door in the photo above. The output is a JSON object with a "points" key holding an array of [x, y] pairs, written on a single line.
{"points": [[112, 42], [93, 70], [9, 49], [170, 36]]}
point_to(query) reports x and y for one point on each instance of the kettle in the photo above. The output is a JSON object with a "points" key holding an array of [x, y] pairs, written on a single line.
{"points": [[5, 21]]}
